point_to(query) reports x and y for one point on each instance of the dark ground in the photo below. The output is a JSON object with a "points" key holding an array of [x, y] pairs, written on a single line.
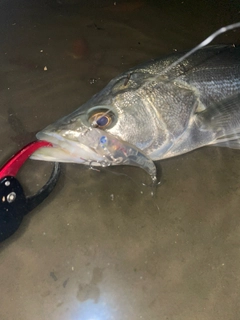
{"points": [[100, 247]]}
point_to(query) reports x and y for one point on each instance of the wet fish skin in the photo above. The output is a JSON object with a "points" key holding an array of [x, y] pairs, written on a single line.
{"points": [[163, 114]]}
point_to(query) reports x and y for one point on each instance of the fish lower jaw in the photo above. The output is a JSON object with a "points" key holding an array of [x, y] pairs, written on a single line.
{"points": [[55, 154]]}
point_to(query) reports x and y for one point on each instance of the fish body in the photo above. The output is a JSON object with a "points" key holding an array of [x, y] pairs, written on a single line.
{"points": [[152, 112]]}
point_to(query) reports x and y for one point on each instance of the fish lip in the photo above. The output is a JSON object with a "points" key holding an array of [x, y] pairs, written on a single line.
{"points": [[54, 138]]}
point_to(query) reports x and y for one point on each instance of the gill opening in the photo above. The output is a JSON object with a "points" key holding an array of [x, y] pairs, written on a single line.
{"points": [[201, 45]]}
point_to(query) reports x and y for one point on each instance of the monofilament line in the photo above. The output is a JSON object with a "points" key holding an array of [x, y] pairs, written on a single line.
{"points": [[202, 44]]}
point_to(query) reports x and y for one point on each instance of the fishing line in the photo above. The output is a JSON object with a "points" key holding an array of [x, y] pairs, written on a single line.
{"points": [[120, 174], [152, 186], [125, 175], [201, 45]]}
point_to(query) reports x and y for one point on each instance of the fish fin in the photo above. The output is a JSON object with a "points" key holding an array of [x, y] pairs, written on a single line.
{"points": [[217, 125], [223, 120], [230, 141], [232, 144]]}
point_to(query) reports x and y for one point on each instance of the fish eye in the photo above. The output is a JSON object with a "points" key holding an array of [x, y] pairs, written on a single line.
{"points": [[102, 119]]}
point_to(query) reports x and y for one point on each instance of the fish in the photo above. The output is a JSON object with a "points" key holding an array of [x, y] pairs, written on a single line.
{"points": [[160, 109]]}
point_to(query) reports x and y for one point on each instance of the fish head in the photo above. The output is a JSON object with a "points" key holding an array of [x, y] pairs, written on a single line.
{"points": [[110, 129]]}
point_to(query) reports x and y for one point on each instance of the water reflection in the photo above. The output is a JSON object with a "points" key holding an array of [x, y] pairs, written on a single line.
{"points": [[89, 310]]}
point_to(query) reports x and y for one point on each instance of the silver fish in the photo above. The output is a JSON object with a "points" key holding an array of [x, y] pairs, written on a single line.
{"points": [[155, 111]]}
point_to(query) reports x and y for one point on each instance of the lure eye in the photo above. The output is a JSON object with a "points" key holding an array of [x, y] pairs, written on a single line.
{"points": [[101, 119]]}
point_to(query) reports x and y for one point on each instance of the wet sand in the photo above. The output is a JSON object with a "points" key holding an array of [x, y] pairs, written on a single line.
{"points": [[100, 247]]}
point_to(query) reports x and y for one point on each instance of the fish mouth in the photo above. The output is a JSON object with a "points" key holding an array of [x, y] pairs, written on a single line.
{"points": [[65, 150], [94, 147]]}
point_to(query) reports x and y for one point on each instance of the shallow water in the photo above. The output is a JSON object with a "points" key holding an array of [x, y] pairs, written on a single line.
{"points": [[100, 247]]}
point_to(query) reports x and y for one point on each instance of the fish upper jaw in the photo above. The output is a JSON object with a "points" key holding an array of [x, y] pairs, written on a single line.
{"points": [[66, 150]]}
